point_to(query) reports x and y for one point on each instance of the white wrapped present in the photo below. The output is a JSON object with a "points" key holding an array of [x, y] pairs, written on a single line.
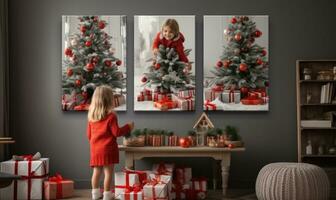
{"points": [[127, 180], [33, 173], [158, 187], [163, 168]]}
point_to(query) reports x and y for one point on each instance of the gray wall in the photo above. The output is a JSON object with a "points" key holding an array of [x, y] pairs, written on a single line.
{"points": [[298, 30]]}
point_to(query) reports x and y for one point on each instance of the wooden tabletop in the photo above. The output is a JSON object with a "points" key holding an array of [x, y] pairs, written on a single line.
{"points": [[7, 141], [179, 149]]}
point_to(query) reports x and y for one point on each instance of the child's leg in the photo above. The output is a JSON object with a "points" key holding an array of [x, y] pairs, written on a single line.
{"points": [[108, 172], [97, 171]]}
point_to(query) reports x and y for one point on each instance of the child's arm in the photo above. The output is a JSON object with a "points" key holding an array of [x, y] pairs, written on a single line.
{"points": [[119, 131], [88, 131], [156, 42], [180, 52]]}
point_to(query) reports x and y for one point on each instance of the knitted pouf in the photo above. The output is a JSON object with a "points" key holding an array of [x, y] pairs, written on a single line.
{"points": [[292, 181]]}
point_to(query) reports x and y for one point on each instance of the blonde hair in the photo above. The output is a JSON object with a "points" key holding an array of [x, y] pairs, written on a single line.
{"points": [[173, 25], [101, 103]]}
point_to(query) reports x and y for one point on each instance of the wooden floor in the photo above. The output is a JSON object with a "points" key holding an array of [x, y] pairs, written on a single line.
{"points": [[233, 194]]}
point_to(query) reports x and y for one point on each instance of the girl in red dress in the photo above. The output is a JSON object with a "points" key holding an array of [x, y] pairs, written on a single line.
{"points": [[170, 36], [102, 132]]}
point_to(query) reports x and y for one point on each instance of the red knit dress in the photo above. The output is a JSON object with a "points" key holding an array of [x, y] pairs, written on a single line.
{"points": [[103, 140]]}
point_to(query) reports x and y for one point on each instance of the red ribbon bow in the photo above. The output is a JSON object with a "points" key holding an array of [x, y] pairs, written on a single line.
{"points": [[58, 180], [208, 105]]}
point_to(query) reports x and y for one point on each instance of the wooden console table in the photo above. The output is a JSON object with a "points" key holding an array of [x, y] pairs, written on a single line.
{"points": [[222, 154]]}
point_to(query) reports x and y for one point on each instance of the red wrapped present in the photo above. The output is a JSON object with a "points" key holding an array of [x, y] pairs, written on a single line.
{"points": [[184, 103], [161, 96], [173, 140], [82, 107], [257, 93], [165, 104], [208, 105], [32, 172], [118, 100], [57, 187], [183, 175], [252, 100], [157, 140]]}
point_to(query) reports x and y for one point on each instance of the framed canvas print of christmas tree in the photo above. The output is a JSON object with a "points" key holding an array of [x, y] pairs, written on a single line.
{"points": [[236, 63], [164, 69], [93, 54]]}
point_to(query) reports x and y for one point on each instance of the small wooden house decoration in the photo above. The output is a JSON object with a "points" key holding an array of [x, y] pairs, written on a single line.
{"points": [[201, 128]]}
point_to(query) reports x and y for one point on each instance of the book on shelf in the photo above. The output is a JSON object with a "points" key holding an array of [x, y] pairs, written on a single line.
{"points": [[316, 123], [327, 93]]}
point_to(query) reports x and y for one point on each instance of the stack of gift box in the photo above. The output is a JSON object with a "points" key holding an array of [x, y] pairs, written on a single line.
{"points": [[253, 97], [164, 182], [34, 181], [182, 98]]}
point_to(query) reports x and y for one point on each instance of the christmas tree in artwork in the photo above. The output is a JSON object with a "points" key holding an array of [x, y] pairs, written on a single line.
{"points": [[167, 71], [243, 64], [89, 62]]}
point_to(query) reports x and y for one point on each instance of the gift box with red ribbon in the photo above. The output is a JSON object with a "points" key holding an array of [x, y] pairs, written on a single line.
{"points": [[252, 100], [230, 96], [257, 93], [158, 187], [32, 172], [165, 104], [179, 191], [163, 168], [208, 105], [129, 181], [199, 186], [118, 100], [184, 103], [183, 175], [158, 96], [211, 94], [145, 95], [56, 187], [189, 92]]}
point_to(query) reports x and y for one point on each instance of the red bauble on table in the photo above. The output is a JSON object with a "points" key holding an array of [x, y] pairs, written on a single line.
{"points": [[101, 25], [234, 20], [118, 62], [83, 29], [144, 79], [243, 67], [257, 33], [184, 142], [219, 64], [89, 66], [88, 43], [69, 72], [238, 37], [68, 52], [157, 66], [259, 61], [227, 63], [78, 82], [108, 63], [244, 90]]}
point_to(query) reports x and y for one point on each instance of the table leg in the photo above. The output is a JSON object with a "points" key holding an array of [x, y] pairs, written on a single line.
{"points": [[225, 164], [214, 174], [129, 160]]}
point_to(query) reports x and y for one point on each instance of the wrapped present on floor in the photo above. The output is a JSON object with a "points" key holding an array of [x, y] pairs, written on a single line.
{"points": [[119, 99], [165, 104], [56, 187], [145, 95], [128, 179], [231, 96], [199, 186], [208, 105], [173, 140], [33, 173], [157, 188], [133, 193], [211, 94], [179, 191], [163, 168], [183, 175], [158, 96], [184, 103]]}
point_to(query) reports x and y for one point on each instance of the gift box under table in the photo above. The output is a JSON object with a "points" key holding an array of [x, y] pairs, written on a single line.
{"points": [[183, 175], [158, 187], [127, 180], [30, 186], [57, 188]]}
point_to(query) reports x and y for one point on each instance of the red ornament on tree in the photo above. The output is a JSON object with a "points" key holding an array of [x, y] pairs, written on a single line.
{"points": [[144, 79], [227, 63], [88, 43], [257, 33], [244, 90], [68, 52], [69, 72], [85, 94], [259, 61], [78, 82], [90, 67], [108, 63], [95, 59], [238, 37], [219, 64], [83, 29], [157, 66], [266, 83], [264, 52], [234, 20], [101, 25], [184, 142], [118, 62], [243, 67]]}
